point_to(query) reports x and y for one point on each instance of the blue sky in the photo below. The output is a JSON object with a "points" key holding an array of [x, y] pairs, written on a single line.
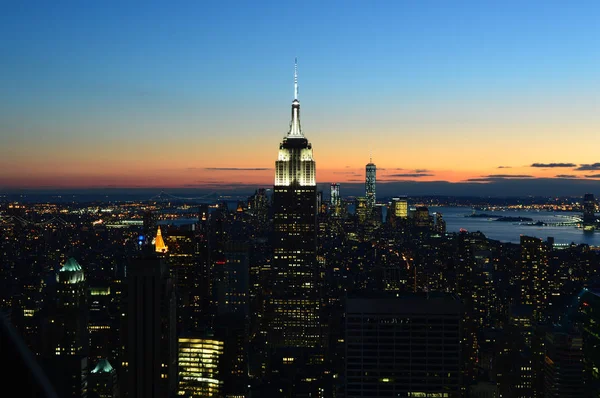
{"points": [[212, 73]]}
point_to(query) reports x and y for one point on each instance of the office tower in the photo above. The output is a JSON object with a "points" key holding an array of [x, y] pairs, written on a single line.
{"points": [[293, 303], [466, 291], [534, 275], [103, 380], [232, 325], [151, 323], [563, 370], [203, 219], [148, 227], [406, 346], [440, 224], [334, 195], [232, 280], [589, 209], [185, 265], [361, 209], [258, 205], [199, 364], [422, 218], [398, 210], [101, 326], [65, 337], [370, 183]]}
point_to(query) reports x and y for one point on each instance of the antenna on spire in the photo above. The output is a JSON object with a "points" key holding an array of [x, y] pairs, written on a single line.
{"points": [[370, 156], [296, 78]]}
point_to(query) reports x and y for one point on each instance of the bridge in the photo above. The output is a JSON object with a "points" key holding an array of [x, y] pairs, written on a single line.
{"points": [[14, 219], [165, 196]]}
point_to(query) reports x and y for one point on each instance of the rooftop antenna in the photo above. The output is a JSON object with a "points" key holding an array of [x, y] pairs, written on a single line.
{"points": [[296, 78]]}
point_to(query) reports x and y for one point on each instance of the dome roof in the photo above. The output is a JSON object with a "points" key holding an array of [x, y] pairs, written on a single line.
{"points": [[103, 367], [71, 272], [71, 265]]}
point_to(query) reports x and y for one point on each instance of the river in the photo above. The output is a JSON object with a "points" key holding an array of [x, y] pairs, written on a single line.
{"points": [[510, 232]]}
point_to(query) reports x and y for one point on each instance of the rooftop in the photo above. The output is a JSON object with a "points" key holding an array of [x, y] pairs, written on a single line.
{"points": [[71, 266]]}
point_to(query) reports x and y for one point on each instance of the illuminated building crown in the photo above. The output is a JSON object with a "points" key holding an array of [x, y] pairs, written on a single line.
{"points": [[160, 243]]}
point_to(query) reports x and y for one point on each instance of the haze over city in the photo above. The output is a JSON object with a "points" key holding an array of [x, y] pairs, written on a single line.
{"points": [[196, 96]]}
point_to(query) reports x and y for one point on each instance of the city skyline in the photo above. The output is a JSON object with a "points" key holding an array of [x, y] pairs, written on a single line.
{"points": [[476, 94]]}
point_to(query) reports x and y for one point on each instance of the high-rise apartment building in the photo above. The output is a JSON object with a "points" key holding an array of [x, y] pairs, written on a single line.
{"points": [[534, 275], [407, 346]]}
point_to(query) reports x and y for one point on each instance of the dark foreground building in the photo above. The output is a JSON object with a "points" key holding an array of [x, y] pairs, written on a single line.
{"points": [[151, 343], [407, 346]]}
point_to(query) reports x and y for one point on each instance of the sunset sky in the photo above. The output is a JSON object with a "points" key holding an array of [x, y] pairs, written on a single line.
{"points": [[198, 94]]}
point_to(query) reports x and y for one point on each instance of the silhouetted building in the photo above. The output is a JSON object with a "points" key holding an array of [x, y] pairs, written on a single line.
{"points": [[151, 329], [407, 346], [103, 380], [589, 324], [563, 365], [23, 372], [589, 209], [65, 338]]}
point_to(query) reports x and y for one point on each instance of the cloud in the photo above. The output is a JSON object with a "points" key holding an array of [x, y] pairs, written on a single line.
{"points": [[505, 167], [417, 174], [237, 168], [499, 177], [589, 167], [508, 176], [566, 176], [347, 172], [421, 171], [553, 165], [592, 176], [481, 179]]}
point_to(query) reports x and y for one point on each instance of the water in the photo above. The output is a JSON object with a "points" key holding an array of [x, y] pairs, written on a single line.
{"points": [[510, 232]]}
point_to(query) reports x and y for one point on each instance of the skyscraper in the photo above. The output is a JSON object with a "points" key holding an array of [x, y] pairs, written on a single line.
{"points": [[563, 364], [103, 380], [534, 275], [151, 338], [589, 208], [65, 338], [293, 303], [199, 374], [406, 346], [335, 195], [370, 182]]}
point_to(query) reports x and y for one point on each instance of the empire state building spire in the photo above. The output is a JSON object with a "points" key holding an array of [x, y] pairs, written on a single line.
{"points": [[295, 129]]}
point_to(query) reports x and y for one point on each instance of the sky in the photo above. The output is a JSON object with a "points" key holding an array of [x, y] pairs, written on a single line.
{"points": [[198, 94]]}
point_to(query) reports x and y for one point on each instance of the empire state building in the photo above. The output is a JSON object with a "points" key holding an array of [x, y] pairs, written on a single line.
{"points": [[293, 305]]}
